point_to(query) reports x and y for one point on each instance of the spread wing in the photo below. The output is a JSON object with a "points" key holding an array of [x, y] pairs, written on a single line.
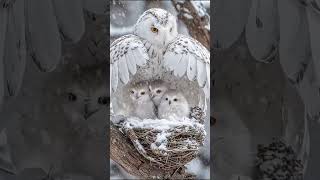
{"points": [[186, 56], [230, 18], [262, 30], [37, 26], [126, 53]]}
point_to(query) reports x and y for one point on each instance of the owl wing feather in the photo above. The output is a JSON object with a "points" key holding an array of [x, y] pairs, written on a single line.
{"points": [[3, 32], [43, 38], [262, 30], [186, 56], [313, 14], [126, 53], [15, 49], [70, 18]]}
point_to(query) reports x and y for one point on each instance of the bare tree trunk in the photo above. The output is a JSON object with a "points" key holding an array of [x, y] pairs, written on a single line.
{"points": [[195, 23], [122, 150]]}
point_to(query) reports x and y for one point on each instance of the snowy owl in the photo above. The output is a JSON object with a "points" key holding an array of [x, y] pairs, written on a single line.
{"points": [[155, 50], [157, 89], [34, 29], [173, 104], [142, 105]]}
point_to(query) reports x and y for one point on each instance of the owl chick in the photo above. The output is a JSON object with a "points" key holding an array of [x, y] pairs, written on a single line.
{"points": [[173, 104], [143, 107], [157, 89]]}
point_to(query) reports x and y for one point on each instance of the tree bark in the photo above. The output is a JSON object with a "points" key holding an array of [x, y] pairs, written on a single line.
{"points": [[122, 150], [196, 24]]}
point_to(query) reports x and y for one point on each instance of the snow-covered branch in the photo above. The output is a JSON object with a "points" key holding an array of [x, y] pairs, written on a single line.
{"points": [[196, 18]]}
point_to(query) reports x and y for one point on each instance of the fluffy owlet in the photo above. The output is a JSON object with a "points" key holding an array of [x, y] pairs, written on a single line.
{"points": [[157, 89], [155, 50], [142, 105], [173, 104]]}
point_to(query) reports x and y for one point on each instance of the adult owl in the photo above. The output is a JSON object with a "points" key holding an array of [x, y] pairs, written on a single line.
{"points": [[154, 51], [36, 29]]}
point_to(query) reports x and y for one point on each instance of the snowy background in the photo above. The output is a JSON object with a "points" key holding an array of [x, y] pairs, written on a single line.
{"points": [[123, 15]]}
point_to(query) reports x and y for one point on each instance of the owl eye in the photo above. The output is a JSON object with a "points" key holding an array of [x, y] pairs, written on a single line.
{"points": [[175, 99], [158, 91], [132, 92], [103, 100], [154, 30], [166, 99], [72, 97], [142, 93]]}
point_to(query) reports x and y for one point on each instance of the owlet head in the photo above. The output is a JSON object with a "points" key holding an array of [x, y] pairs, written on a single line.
{"points": [[139, 92], [157, 26], [82, 91], [174, 99], [157, 89]]}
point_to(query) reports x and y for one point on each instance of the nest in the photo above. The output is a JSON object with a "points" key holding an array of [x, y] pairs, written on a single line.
{"points": [[278, 161], [167, 144]]}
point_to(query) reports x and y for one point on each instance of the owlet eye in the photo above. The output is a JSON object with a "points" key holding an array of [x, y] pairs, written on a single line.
{"points": [[166, 99], [142, 93], [154, 30], [132, 92], [175, 99], [170, 29], [158, 91], [72, 97], [103, 100]]}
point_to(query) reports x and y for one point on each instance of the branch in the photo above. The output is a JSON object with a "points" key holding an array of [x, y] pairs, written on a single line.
{"points": [[124, 153], [196, 23]]}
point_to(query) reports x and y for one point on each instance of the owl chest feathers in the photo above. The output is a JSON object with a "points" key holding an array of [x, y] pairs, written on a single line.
{"points": [[144, 110], [166, 111], [153, 69]]}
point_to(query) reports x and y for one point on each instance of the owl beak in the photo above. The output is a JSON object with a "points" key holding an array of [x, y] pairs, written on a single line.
{"points": [[87, 112]]}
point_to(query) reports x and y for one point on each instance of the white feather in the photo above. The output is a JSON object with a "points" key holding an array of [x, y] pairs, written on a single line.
{"points": [[143, 53], [314, 28], [229, 19], [172, 60], [262, 29], [131, 62], [5, 155], [3, 31], [15, 50], [139, 57], [192, 68], [201, 73], [70, 18], [42, 34], [115, 77], [123, 70], [182, 66], [294, 42]]}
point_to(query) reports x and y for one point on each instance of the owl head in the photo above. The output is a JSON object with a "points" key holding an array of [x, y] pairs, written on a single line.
{"points": [[139, 92], [157, 26], [174, 99], [157, 89], [81, 91]]}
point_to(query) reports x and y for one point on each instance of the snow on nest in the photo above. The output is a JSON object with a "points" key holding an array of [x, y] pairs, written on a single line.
{"points": [[163, 124]]}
